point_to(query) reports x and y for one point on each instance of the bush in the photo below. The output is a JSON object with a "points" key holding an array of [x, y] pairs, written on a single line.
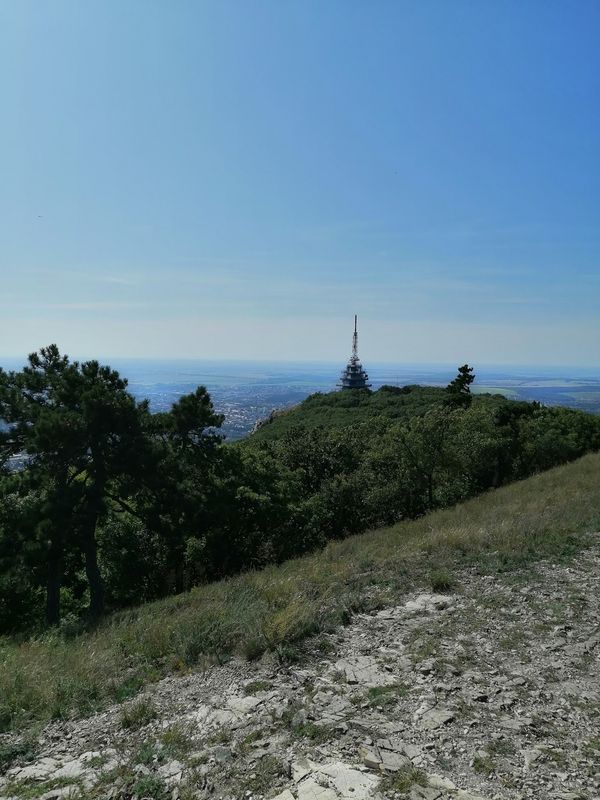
{"points": [[138, 715], [150, 788], [441, 580]]}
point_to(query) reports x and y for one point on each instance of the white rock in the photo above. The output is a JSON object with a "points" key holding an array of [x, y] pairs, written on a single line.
{"points": [[364, 670], [531, 756], [38, 771], [172, 772], [72, 769], [348, 781], [428, 603], [424, 793], [59, 793], [439, 782], [301, 768], [209, 717], [309, 789], [392, 761], [244, 705], [436, 718]]}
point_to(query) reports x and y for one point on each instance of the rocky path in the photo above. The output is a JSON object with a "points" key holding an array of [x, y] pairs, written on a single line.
{"points": [[490, 692]]}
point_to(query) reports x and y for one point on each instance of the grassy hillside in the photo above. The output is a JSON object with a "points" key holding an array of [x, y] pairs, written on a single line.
{"points": [[58, 677]]}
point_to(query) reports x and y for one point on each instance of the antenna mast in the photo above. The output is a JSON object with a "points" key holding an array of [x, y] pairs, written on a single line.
{"points": [[354, 376]]}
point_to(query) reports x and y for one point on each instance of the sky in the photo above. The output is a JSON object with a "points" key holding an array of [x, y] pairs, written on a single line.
{"points": [[225, 179]]}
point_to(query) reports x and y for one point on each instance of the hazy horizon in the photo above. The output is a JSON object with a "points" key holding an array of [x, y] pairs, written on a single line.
{"points": [[325, 363]]}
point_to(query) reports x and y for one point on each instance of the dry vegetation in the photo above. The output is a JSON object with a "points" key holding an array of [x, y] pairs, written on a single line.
{"points": [[57, 677]]}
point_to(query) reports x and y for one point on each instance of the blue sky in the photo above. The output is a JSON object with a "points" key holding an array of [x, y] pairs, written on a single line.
{"points": [[237, 179]]}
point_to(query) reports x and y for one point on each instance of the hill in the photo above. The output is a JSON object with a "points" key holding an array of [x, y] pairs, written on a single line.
{"points": [[455, 691], [354, 407]]}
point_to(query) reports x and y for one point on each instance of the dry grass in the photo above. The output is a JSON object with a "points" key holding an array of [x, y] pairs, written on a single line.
{"points": [[543, 516]]}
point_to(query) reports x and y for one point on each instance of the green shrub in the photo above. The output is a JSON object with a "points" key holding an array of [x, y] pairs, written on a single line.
{"points": [[386, 695], [23, 749], [404, 780], [138, 715], [257, 686], [441, 580], [151, 788], [176, 741]]}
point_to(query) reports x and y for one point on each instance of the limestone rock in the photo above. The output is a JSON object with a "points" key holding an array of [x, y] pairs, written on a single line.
{"points": [[309, 789], [364, 670], [435, 718], [285, 795], [348, 781], [425, 793], [171, 772], [428, 603]]}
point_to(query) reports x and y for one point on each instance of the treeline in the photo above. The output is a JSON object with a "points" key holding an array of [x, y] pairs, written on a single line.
{"points": [[116, 505]]}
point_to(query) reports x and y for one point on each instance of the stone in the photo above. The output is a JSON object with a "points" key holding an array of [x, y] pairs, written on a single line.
{"points": [[172, 772], [364, 670], [91, 755], [211, 718], [370, 757], [38, 771], [436, 718], [516, 724], [439, 782], [392, 761], [348, 781], [428, 603], [60, 792], [332, 708], [285, 795], [244, 704], [424, 793], [300, 769], [531, 756], [309, 789], [72, 769]]}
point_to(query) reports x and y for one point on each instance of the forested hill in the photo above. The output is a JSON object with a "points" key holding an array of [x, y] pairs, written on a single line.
{"points": [[358, 406], [116, 506], [359, 459]]}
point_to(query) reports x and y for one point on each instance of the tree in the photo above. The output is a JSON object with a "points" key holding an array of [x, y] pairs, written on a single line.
{"points": [[459, 389], [81, 433], [22, 553], [179, 494], [423, 443]]}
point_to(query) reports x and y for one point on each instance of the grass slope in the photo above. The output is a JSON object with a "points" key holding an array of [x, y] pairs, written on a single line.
{"points": [[56, 677]]}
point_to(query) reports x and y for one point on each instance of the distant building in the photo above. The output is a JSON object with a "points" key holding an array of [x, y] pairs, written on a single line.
{"points": [[354, 376]]}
